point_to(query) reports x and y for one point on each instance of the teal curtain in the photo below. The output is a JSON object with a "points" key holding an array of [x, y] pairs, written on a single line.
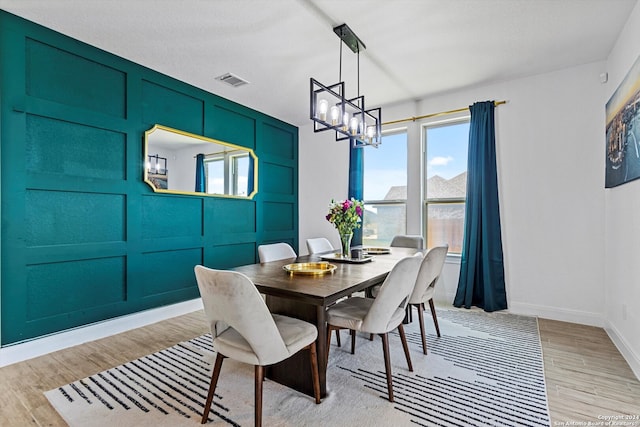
{"points": [[200, 177], [356, 190], [481, 282], [250, 177]]}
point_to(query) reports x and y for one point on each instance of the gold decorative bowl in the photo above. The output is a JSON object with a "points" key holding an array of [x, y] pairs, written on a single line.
{"points": [[309, 268]]}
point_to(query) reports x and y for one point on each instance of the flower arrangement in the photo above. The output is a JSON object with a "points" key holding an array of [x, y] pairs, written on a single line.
{"points": [[345, 215]]}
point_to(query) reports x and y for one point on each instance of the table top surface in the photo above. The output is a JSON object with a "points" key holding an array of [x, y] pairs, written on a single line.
{"points": [[271, 279]]}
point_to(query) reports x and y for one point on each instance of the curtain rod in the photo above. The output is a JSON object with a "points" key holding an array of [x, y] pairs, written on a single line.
{"points": [[225, 151], [443, 113]]}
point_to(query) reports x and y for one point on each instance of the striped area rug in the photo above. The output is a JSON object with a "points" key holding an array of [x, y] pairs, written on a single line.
{"points": [[485, 370]]}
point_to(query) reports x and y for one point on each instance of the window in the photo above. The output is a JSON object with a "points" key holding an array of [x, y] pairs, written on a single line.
{"points": [[240, 174], [385, 190], [214, 170], [446, 183], [233, 166]]}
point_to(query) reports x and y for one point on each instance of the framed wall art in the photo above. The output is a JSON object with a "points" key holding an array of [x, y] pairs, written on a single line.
{"points": [[623, 131]]}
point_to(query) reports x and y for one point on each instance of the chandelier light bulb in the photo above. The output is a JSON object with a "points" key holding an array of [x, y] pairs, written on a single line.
{"points": [[345, 121], [370, 132], [353, 125], [335, 113], [323, 106]]}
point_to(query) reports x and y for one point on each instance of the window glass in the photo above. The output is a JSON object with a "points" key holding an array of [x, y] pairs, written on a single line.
{"points": [[446, 183], [240, 178], [214, 169], [385, 190]]}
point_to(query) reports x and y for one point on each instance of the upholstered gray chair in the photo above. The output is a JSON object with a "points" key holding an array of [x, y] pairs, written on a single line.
{"points": [[319, 245], [407, 241], [275, 252], [428, 275], [402, 241], [243, 329], [380, 315]]}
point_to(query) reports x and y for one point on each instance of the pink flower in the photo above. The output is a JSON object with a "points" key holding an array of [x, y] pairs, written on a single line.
{"points": [[346, 205], [359, 210]]}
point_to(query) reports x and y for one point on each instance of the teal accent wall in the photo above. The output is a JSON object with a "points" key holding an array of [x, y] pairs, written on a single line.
{"points": [[84, 239]]}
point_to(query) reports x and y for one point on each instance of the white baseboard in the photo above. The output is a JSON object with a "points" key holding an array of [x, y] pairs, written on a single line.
{"points": [[556, 313], [50, 343], [546, 312], [623, 347]]}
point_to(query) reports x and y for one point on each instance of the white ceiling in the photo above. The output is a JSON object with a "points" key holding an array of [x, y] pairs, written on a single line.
{"points": [[415, 48]]}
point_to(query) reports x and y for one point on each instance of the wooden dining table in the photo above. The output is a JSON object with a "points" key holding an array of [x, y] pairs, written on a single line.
{"points": [[307, 297]]}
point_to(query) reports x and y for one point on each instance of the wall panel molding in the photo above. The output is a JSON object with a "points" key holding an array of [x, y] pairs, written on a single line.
{"points": [[84, 239]]}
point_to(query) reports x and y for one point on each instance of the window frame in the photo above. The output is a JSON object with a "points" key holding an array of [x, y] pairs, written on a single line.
{"points": [[230, 171], [466, 118], [392, 202]]}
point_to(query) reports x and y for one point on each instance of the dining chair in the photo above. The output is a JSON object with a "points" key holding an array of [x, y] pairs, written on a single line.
{"points": [[428, 274], [319, 245], [275, 252], [402, 241], [243, 329], [380, 315], [407, 241]]}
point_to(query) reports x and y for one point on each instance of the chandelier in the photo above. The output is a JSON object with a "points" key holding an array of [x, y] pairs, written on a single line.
{"points": [[331, 110]]}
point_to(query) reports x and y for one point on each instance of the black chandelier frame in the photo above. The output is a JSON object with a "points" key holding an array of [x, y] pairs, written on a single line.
{"points": [[348, 117]]}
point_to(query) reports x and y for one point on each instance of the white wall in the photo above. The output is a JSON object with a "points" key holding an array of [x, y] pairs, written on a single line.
{"points": [[323, 175], [622, 222]]}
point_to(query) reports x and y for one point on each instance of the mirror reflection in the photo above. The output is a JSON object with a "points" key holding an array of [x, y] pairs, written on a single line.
{"points": [[185, 163]]}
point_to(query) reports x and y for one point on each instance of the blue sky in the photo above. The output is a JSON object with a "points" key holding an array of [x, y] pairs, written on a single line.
{"points": [[447, 150], [386, 166]]}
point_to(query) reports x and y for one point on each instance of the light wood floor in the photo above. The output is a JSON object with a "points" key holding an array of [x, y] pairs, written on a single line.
{"points": [[586, 376]]}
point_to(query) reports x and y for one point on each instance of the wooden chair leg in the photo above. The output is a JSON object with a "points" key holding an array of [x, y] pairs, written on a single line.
{"points": [[212, 387], [353, 341], [330, 329], [403, 338], [387, 364], [338, 338], [433, 314], [314, 371], [422, 333], [258, 394]]}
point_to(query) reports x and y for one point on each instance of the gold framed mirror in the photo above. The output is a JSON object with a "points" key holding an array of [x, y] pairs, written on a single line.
{"points": [[179, 162]]}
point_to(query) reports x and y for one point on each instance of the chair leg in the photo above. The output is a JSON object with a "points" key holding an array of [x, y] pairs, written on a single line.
{"points": [[314, 371], [387, 364], [330, 329], [212, 387], [403, 338], [258, 394], [422, 333], [338, 338], [433, 314], [353, 341]]}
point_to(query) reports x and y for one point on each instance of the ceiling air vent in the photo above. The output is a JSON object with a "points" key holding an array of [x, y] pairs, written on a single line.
{"points": [[232, 79]]}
